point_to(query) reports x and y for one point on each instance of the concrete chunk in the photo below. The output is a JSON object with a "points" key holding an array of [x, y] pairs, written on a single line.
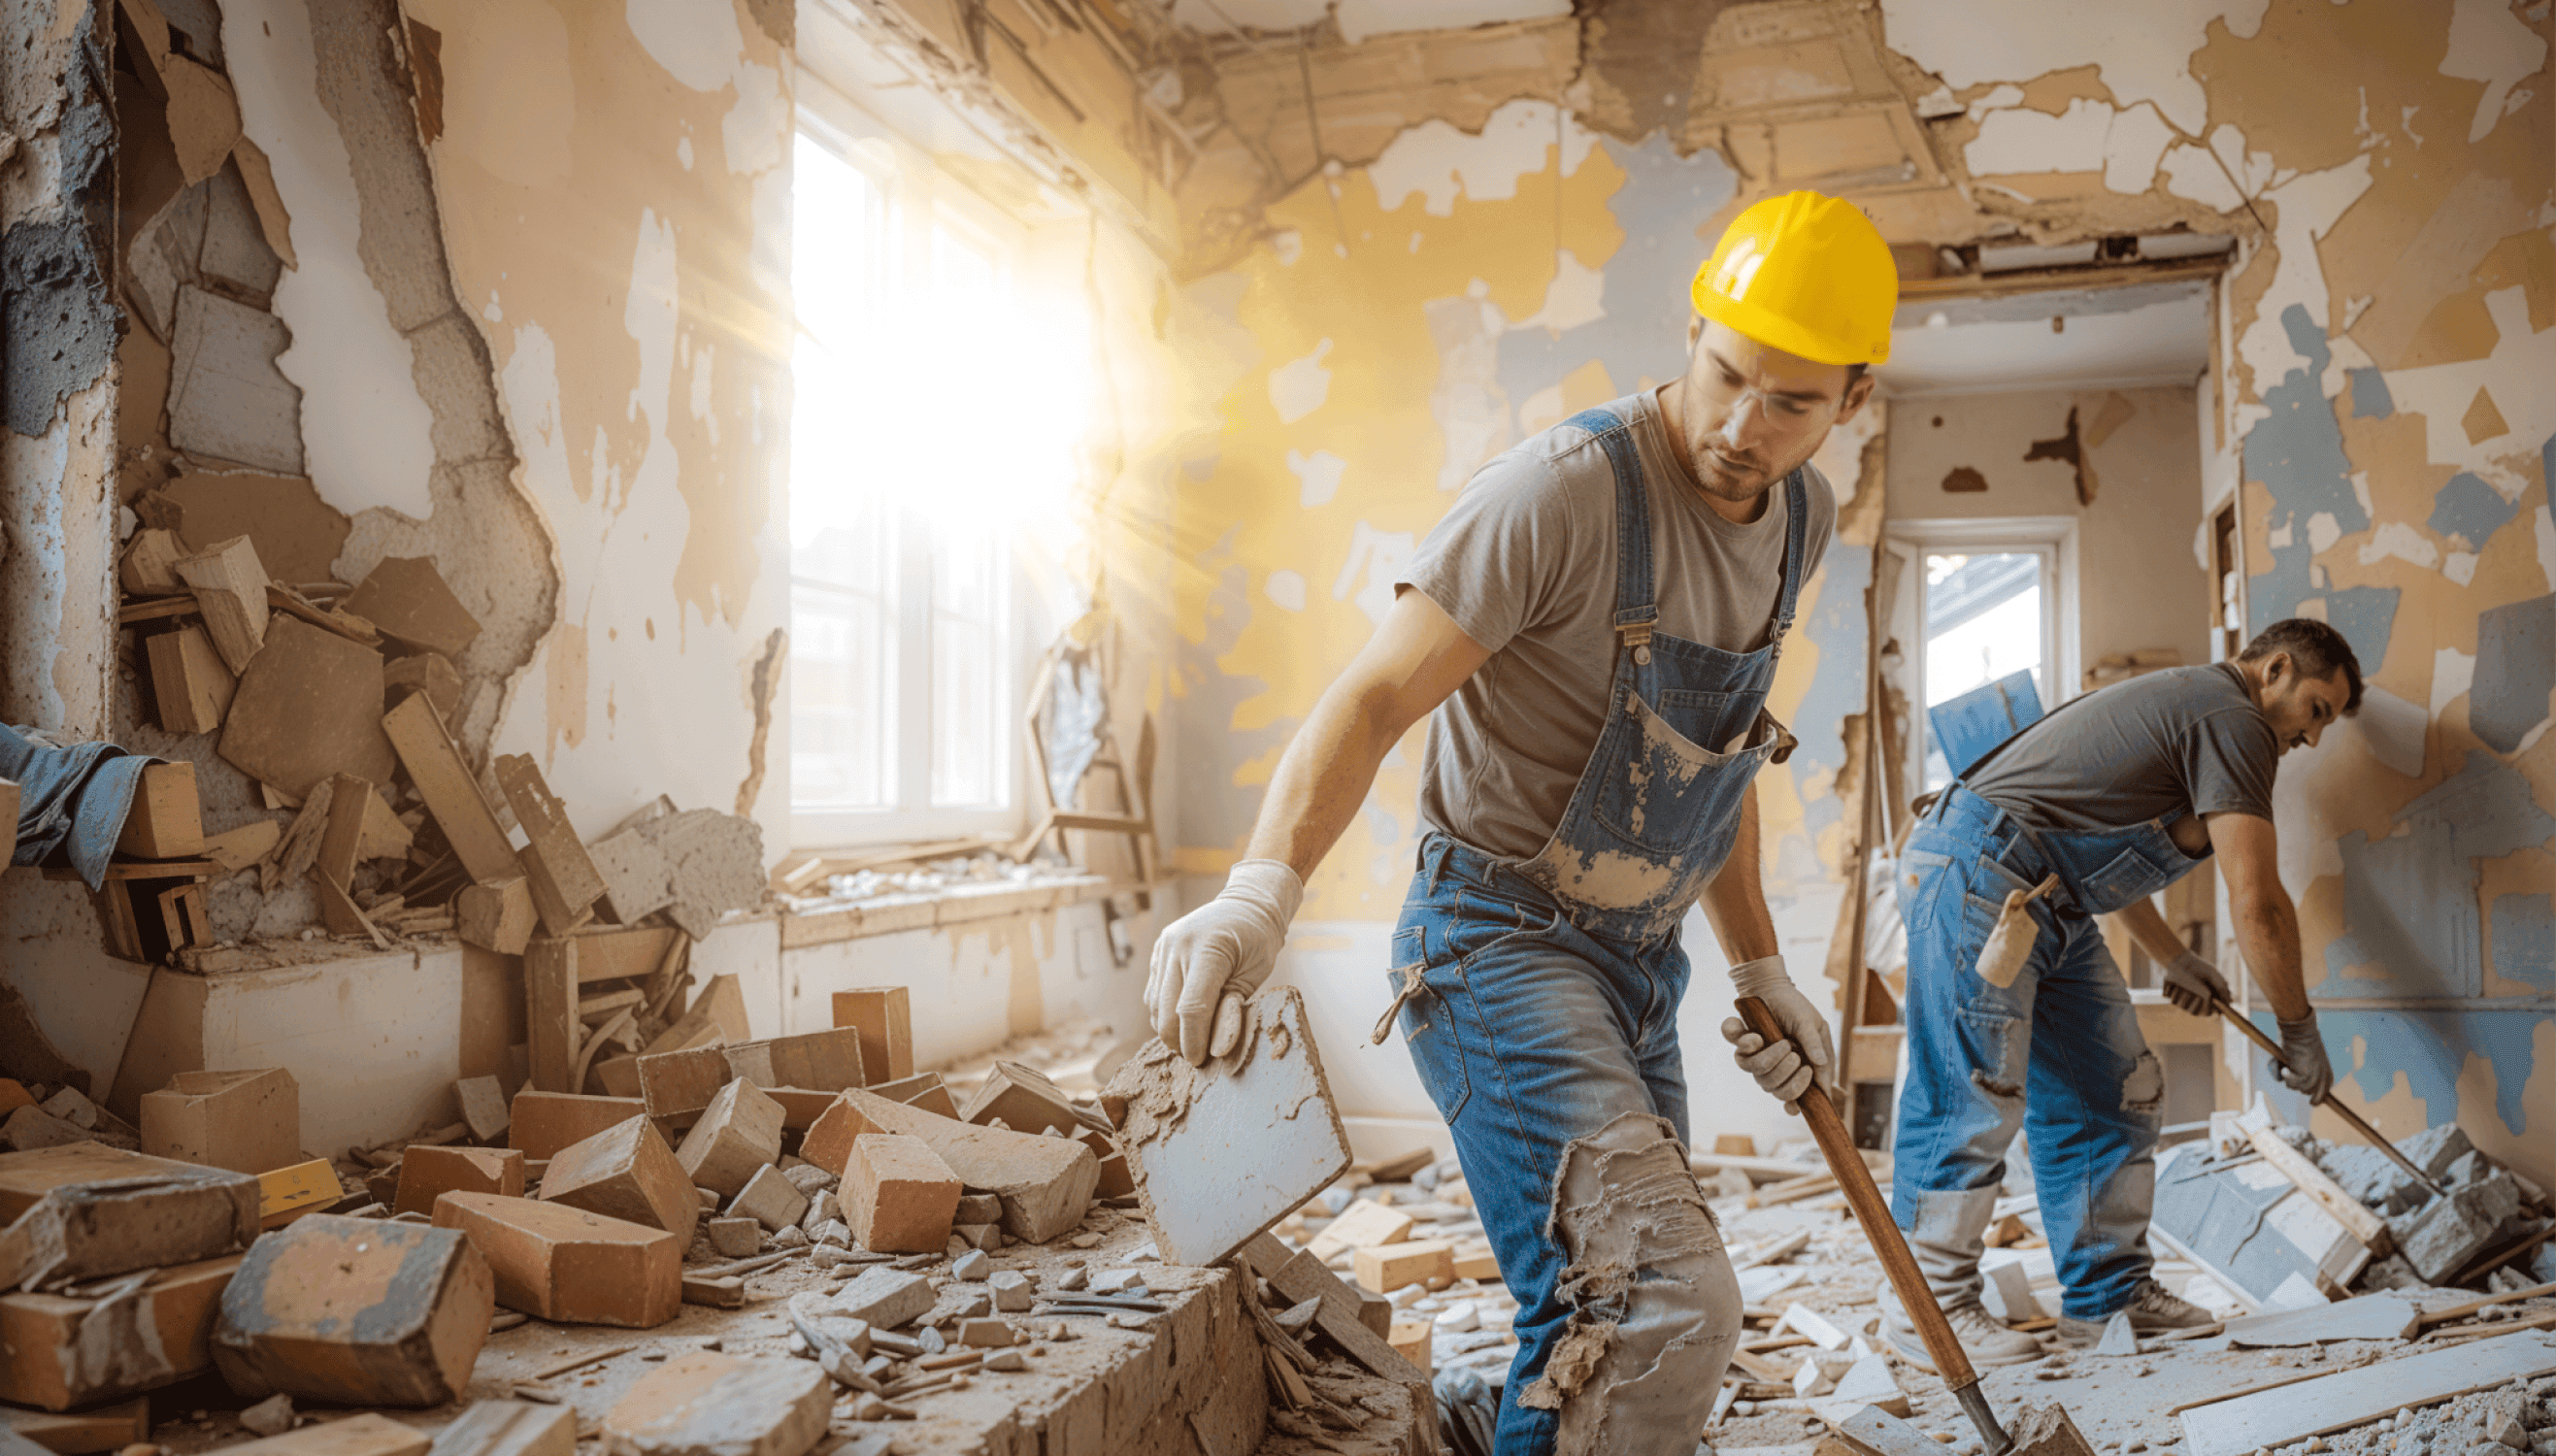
{"points": [[738, 1133], [510, 1428], [1045, 1184], [483, 1107], [564, 1263], [707, 1403], [735, 1238], [626, 1171], [426, 1174], [2446, 1233], [885, 1298], [356, 1312]]}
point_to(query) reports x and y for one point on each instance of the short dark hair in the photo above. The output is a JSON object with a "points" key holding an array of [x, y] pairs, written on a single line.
{"points": [[1853, 372], [2314, 648]]}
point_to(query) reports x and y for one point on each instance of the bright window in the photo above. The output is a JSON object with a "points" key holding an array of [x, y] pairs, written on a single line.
{"points": [[1988, 613], [915, 483]]}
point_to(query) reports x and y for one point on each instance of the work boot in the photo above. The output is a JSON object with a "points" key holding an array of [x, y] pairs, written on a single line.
{"points": [[2153, 1310], [1987, 1339]]}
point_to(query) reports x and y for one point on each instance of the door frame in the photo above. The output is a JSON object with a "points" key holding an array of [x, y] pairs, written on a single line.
{"points": [[2054, 536]]}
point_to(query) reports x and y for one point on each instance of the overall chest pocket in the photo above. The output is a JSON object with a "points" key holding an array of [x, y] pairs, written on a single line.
{"points": [[1662, 790]]}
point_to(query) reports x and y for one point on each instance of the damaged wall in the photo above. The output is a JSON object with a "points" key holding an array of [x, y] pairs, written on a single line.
{"points": [[2381, 334], [2139, 456]]}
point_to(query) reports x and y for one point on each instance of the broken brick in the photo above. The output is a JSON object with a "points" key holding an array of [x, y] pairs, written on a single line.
{"points": [[564, 1263], [1024, 1099], [166, 819], [1046, 1184], [885, 1020], [1386, 1267], [740, 1132], [707, 1403], [83, 1211], [626, 1171], [248, 1120], [1364, 1224], [885, 1298], [483, 1106], [769, 1199], [923, 1090], [190, 682], [734, 1238], [230, 589], [286, 1193], [546, 1122], [678, 1082], [426, 1173], [356, 1312], [898, 1195], [56, 1341]]}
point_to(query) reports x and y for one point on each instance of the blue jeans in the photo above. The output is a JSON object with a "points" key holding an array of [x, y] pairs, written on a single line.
{"points": [[2058, 1053], [1553, 1054]]}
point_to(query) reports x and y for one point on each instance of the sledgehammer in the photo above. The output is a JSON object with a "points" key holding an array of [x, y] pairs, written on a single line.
{"points": [[1855, 1181]]}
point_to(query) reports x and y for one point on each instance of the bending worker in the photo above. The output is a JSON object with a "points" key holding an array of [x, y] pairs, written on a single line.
{"points": [[2116, 795], [1592, 629]]}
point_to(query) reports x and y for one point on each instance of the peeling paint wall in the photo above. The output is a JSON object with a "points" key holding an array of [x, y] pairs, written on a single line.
{"points": [[2377, 402], [613, 185]]}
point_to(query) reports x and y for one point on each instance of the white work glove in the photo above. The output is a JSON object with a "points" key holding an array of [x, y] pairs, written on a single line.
{"points": [[2305, 1068], [2193, 984], [1224, 948], [1788, 1067]]}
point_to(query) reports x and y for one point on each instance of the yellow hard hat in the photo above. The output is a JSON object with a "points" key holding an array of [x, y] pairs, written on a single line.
{"points": [[1807, 273]]}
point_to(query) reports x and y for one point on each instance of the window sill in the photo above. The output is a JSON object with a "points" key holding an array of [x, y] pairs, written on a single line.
{"points": [[950, 905]]}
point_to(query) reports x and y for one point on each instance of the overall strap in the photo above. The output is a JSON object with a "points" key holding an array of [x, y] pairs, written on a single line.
{"points": [[1796, 529], [1636, 609]]}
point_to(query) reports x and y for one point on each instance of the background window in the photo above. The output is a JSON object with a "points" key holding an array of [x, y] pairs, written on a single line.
{"points": [[904, 652]]}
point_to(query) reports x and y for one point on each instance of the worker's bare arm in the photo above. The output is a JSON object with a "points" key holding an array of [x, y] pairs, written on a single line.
{"points": [[2150, 930], [1734, 900], [1415, 659], [2267, 923]]}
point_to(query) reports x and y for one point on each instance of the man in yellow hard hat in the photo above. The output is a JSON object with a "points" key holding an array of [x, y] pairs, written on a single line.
{"points": [[1592, 629]]}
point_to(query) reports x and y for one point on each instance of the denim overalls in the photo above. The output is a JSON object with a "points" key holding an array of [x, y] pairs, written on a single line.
{"points": [[1539, 997], [2057, 1052]]}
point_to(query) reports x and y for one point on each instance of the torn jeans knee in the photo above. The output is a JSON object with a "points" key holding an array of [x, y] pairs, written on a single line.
{"points": [[1655, 1305], [2143, 1090]]}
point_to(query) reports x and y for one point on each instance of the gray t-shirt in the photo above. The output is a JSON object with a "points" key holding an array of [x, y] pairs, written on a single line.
{"points": [[1525, 564], [2185, 740]]}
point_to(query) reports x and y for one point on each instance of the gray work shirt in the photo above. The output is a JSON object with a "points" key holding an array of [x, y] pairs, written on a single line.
{"points": [[1525, 564], [2182, 741]]}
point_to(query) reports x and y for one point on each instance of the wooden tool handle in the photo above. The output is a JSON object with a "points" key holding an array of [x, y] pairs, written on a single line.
{"points": [[1855, 1181], [2371, 1135]]}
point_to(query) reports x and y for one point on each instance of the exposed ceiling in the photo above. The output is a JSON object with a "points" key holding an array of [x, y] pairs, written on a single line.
{"points": [[1357, 18], [2156, 333]]}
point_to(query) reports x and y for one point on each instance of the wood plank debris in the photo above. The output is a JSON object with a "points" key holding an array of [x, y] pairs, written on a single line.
{"points": [[2268, 1419], [166, 819], [190, 682], [2367, 1317], [564, 880], [451, 793], [230, 590], [497, 916]]}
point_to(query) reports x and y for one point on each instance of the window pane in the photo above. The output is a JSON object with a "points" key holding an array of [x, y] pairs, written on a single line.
{"points": [[842, 600], [1984, 622], [969, 710]]}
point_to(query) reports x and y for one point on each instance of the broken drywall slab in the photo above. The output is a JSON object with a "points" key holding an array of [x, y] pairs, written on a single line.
{"points": [[235, 250], [713, 863], [409, 600], [2271, 1418], [1222, 1151], [227, 398], [297, 535], [2244, 1222], [309, 706]]}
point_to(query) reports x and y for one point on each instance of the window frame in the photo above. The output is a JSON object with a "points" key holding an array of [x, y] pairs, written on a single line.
{"points": [[2054, 540], [919, 195]]}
